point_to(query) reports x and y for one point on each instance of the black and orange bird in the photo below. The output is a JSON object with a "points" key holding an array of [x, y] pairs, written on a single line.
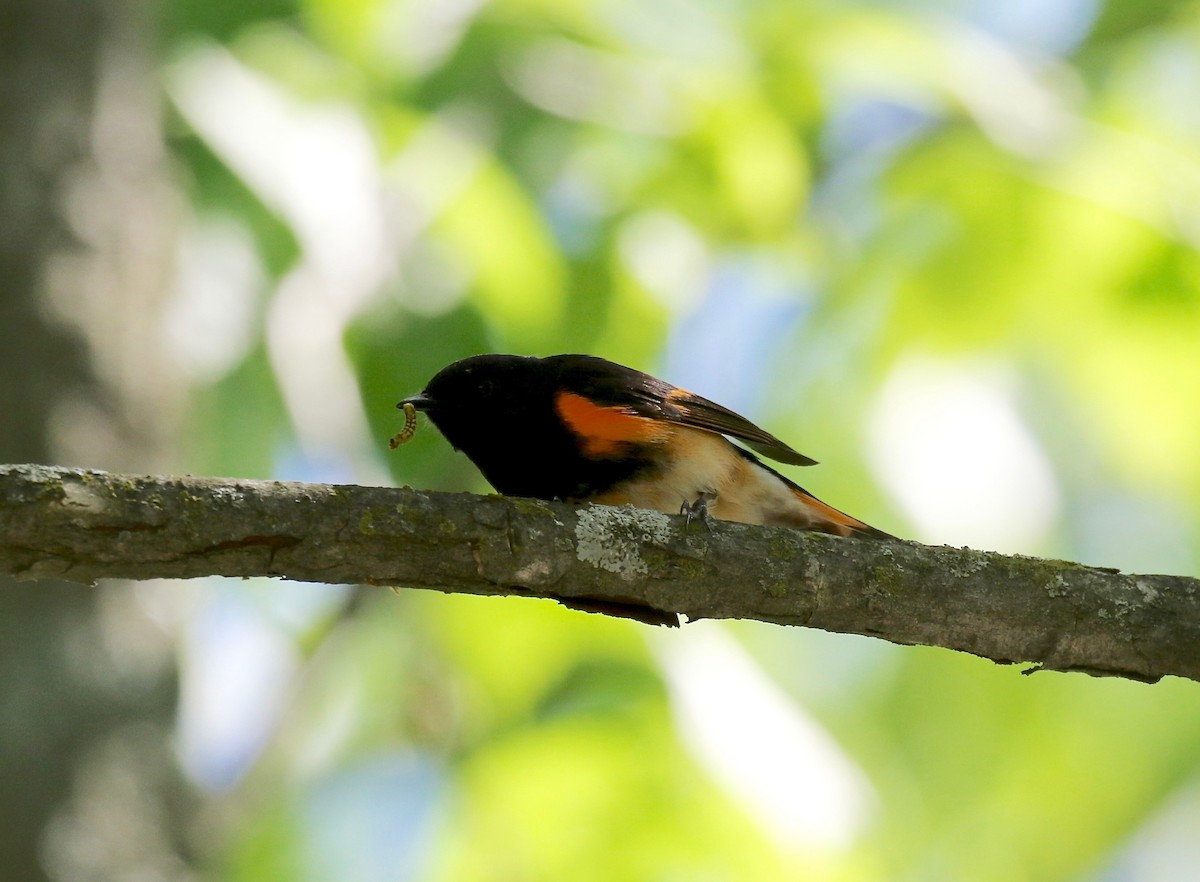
{"points": [[583, 429]]}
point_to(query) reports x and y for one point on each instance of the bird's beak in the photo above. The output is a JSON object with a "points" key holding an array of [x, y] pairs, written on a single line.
{"points": [[420, 402]]}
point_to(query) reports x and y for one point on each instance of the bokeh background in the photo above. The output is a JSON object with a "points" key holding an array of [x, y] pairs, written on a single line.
{"points": [[947, 247]]}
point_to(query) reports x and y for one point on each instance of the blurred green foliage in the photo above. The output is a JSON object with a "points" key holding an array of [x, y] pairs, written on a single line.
{"points": [[1015, 186]]}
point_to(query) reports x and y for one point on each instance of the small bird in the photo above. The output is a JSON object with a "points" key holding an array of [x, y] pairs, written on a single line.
{"points": [[583, 429]]}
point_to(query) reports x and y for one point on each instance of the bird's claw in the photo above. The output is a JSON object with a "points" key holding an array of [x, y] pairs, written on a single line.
{"points": [[698, 508]]}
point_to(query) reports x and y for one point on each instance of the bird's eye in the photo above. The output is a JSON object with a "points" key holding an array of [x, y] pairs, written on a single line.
{"points": [[486, 388]]}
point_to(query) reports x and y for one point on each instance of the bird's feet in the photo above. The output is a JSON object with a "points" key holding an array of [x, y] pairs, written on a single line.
{"points": [[698, 508]]}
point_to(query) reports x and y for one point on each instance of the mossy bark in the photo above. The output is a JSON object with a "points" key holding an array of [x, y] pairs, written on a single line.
{"points": [[81, 525]]}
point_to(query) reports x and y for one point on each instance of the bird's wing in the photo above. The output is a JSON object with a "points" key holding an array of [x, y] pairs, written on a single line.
{"points": [[632, 392]]}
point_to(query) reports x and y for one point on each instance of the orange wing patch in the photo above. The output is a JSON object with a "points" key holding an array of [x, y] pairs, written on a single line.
{"points": [[604, 430]]}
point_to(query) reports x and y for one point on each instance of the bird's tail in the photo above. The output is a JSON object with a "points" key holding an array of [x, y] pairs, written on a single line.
{"points": [[827, 519]]}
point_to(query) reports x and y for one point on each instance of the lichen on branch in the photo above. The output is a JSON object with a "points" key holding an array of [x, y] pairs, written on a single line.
{"points": [[87, 525]]}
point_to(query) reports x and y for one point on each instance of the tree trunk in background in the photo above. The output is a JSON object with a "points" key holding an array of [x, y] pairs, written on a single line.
{"points": [[84, 766]]}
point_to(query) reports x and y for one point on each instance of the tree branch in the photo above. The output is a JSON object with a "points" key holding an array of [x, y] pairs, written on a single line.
{"points": [[86, 525]]}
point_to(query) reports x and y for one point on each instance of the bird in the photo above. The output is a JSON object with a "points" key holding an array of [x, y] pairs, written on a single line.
{"points": [[580, 428]]}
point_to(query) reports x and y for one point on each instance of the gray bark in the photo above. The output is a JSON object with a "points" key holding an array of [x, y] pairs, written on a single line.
{"points": [[74, 261], [82, 526]]}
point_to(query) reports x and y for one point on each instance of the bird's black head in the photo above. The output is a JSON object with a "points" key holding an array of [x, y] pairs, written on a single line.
{"points": [[498, 410], [478, 391]]}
